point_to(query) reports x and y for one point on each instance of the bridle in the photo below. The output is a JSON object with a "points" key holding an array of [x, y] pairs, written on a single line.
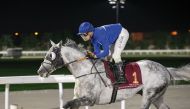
{"points": [[58, 63]]}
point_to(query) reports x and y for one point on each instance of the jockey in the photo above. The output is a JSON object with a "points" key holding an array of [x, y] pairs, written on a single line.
{"points": [[104, 39]]}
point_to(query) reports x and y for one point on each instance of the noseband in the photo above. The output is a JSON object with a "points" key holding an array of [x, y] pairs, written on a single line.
{"points": [[57, 62]]}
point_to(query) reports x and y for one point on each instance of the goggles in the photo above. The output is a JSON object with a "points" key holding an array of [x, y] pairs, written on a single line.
{"points": [[83, 35]]}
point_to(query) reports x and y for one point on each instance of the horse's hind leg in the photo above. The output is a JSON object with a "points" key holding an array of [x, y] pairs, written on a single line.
{"points": [[151, 95], [159, 104], [146, 100], [157, 99]]}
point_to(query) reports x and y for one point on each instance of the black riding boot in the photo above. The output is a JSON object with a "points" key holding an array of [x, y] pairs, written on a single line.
{"points": [[119, 73]]}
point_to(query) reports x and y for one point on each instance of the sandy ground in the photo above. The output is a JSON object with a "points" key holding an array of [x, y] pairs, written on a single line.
{"points": [[177, 97]]}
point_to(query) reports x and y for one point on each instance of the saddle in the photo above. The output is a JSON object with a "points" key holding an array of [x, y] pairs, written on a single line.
{"points": [[132, 74]]}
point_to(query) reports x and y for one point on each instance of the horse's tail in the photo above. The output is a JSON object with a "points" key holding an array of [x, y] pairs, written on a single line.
{"points": [[182, 73]]}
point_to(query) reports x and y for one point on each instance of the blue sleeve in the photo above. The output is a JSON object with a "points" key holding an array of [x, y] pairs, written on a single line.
{"points": [[105, 51], [96, 48]]}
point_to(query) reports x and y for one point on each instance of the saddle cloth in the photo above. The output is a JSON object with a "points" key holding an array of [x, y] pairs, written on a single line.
{"points": [[132, 74]]}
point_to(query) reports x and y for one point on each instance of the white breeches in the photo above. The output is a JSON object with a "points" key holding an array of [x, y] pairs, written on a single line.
{"points": [[119, 45]]}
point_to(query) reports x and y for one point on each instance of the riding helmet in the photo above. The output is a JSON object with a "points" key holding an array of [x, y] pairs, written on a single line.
{"points": [[85, 27]]}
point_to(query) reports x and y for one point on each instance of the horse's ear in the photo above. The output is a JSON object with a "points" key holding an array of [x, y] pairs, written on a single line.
{"points": [[52, 43], [60, 43]]}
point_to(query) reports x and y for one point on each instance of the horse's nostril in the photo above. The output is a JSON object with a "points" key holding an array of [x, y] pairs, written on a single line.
{"points": [[46, 75], [39, 72], [40, 75]]}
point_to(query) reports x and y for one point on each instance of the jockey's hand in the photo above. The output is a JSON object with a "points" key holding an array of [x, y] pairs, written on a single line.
{"points": [[90, 55]]}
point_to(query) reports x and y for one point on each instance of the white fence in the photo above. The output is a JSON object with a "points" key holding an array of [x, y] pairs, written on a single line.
{"points": [[173, 52], [36, 79]]}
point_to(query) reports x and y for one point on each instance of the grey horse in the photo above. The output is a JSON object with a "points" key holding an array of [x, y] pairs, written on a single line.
{"points": [[89, 88]]}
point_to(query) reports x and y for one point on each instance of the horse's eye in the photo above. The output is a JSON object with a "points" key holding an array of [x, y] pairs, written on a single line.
{"points": [[53, 56]]}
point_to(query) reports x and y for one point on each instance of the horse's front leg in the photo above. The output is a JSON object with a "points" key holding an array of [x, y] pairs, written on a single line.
{"points": [[76, 103]]}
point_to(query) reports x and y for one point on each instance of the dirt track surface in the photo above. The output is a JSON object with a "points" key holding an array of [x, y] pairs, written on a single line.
{"points": [[177, 97]]}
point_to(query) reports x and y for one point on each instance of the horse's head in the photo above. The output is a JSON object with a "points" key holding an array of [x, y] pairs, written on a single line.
{"points": [[52, 61]]}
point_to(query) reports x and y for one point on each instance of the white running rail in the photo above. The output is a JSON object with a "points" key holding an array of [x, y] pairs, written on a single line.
{"points": [[176, 52], [35, 79], [7, 81]]}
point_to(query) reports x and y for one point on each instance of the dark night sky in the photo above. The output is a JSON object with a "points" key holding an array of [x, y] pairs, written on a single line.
{"points": [[61, 15]]}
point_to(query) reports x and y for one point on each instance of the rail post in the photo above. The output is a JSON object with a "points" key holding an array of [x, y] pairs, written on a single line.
{"points": [[60, 95], [6, 96], [123, 104]]}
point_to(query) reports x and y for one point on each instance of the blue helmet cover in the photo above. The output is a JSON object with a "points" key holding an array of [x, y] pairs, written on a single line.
{"points": [[85, 27]]}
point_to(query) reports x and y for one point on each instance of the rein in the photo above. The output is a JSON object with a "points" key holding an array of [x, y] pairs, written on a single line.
{"points": [[81, 59], [97, 72]]}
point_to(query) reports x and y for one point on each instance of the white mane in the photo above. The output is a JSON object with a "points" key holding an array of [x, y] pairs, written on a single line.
{"points": [[72, 44]]}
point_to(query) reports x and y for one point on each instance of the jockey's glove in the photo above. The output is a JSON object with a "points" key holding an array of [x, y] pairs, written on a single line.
{"points": [[90, 55]]}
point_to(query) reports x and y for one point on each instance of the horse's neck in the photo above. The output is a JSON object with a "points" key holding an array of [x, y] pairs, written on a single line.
{"points": [[76, 68]]}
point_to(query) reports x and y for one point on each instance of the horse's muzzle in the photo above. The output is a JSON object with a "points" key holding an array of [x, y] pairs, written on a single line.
{"points": [[43, 73]]}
